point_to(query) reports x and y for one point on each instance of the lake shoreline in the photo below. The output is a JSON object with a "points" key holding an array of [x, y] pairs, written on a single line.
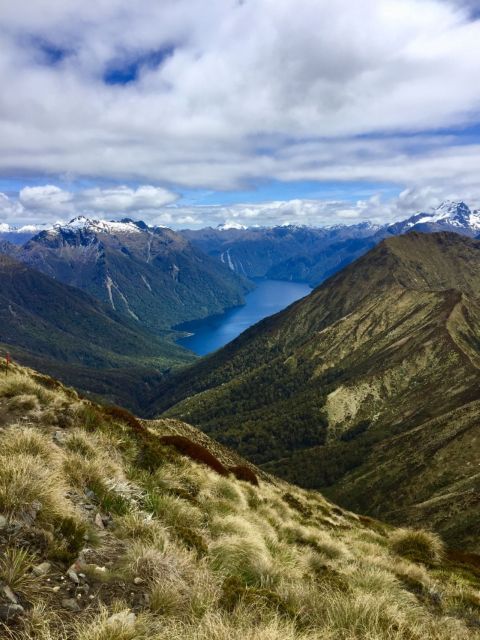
{"points": [[269, 297]]}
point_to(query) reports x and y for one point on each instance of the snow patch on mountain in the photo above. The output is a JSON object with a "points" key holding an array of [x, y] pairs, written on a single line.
{"points": [[83, 223]]}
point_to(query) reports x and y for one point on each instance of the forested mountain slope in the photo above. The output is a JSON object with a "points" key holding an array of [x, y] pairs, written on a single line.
{"points": [[66, 332], [323, 392], [149, 274]]}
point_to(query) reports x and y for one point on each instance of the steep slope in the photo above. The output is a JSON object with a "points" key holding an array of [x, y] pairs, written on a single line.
{"points": [[317, 392], [67, 332], [151, 275], [113, 528]]}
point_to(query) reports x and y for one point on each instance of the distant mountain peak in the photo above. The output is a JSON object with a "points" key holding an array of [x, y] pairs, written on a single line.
{"points": [[99, 226], [448, 216], [230, 224]]}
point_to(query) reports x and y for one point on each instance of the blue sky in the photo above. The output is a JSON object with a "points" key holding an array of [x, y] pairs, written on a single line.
{"points": [[190, 114]]}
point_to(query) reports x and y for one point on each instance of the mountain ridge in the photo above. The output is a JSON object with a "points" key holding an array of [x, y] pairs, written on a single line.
{"points": [[379, 349]]}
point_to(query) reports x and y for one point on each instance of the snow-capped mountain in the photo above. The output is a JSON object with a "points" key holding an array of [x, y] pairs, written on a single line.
{"points": [[82, 223], [151, 274], [449, 216], [19, 235]]}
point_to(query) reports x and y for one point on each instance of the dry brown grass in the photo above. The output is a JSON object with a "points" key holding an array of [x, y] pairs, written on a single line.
{"points": [[219, 559]]}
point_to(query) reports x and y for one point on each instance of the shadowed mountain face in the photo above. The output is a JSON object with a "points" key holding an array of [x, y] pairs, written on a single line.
{"points": [[367, 388], [151, 275], [68, 333], [284, 253]]}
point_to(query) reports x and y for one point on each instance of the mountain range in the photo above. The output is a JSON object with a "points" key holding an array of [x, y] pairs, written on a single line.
{"points": [[309, 254], [150, 274], [368, 388]]}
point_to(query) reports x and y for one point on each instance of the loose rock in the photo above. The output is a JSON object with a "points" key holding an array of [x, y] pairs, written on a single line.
{"points": [[42, 569], [10, 612], [8, 593], [71, 604], [124, 618], [73, 576], [99, 521]]}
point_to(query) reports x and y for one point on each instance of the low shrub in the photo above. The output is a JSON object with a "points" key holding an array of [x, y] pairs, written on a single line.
{"points": [[196, 452]]}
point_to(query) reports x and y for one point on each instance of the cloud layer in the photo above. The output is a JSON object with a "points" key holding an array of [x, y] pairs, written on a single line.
{"points": [[156, 206], [223, 94]]}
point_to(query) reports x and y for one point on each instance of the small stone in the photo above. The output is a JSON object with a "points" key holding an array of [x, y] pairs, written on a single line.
{"points": [[91, 597], [125, 619], [99, 521], [3, 522], [59, 437], [73, 576], [71, 604], [89, 507], [8, 593], [82, 575], [9, 612], [137, 580], [100, 569], [56, 589], [90, 494], [42, 569]]}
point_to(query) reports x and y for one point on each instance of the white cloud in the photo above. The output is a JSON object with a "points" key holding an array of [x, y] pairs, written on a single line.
{"points": [[144, 199], [246, 91], [49, 204], [46, 199]]}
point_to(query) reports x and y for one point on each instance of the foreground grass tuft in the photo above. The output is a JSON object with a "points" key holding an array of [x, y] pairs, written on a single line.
{"points": [[418, 545]]}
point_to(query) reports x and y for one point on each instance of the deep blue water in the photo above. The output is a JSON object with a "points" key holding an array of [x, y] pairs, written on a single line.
{"points": [[269, 297]]}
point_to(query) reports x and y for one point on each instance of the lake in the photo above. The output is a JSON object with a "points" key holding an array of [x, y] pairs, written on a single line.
{"points": [[268, 298]]}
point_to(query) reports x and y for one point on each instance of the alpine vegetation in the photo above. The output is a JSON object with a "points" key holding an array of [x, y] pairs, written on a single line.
{"points": [[111, 528]]}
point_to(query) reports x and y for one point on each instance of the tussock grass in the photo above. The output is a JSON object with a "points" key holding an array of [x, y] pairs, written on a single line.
{"points": [[246, 558], [418, 545], [185, 595], [29, 486], [28, 441], [142, 527], [173, 511], [15, 570], [25, 402], [214, 557]]}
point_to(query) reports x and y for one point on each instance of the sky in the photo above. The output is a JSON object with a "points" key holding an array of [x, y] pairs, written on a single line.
{"points": [[189, 113]]}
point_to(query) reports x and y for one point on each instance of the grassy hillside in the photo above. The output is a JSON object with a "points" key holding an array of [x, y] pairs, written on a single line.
{"points": [[325, 392], [117, 529], [66, 332]]}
